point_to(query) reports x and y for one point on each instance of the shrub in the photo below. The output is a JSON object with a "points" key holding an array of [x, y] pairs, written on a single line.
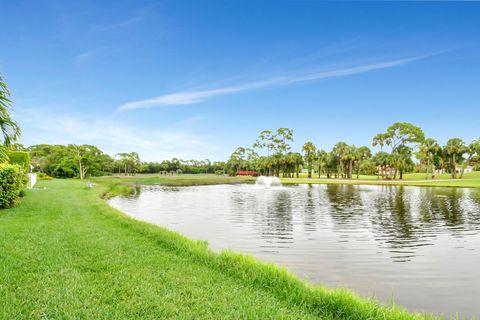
{"points": [[12, 180], [43, 176], [21, 158]]}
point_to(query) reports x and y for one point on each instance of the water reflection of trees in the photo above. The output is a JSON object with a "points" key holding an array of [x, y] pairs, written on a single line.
{"points": [[270, 212], [346, 205], [401, 219], [278, 221], [407, 218], [393, 221], [136, 192], [310, 213]]}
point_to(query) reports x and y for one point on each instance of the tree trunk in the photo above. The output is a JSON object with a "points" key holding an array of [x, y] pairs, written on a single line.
{"points": [[467, 162], [297, 170], [80, 169], [428, 166], [454, 167], [350, 169], [309, 164]]}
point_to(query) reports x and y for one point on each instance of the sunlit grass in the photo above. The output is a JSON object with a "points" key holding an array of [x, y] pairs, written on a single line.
{"points": [[470, 180], [406, 176], [65, 254], [122, 185]]}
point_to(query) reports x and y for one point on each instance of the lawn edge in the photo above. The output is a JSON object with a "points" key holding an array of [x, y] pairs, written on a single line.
{"points": [[317, 300]]}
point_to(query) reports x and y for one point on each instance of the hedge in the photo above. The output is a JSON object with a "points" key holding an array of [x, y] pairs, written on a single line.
{"points": [[21, 158], [12, 181]]}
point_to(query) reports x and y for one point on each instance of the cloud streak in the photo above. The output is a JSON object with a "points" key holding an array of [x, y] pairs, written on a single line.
{"points": [[112, 135], [197, 96]]}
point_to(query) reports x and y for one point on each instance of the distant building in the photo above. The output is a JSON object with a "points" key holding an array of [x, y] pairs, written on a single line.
{"points": [[458, 170], [386, 171], [467, 169], [440, 171]]}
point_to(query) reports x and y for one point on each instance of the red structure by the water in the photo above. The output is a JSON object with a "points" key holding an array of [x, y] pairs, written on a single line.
{"points": [[247, 173]]}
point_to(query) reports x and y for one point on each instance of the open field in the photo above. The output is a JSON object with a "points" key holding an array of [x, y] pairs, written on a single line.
{"points": [[463, 183], [175, 180], [122, 184], [408, 176], [64, 253]]}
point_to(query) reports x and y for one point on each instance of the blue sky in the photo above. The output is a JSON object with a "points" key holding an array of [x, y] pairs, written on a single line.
{"points": [[196, 79]]}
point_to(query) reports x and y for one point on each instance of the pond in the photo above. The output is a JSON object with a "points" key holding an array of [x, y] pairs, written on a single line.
{"points": [[417, 246]]}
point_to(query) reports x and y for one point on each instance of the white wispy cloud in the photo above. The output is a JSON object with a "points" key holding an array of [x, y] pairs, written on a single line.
{"points": [[84, 57], [115, 25], [113, 135], [197, 96]]}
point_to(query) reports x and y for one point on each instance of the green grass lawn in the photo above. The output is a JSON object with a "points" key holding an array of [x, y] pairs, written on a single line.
{"points": [[470, 180], [175, 180], [65, 254], [122, 185]]}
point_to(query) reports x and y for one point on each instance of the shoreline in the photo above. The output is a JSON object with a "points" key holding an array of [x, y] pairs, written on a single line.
{"points": [[278, 272], [79, 252]]}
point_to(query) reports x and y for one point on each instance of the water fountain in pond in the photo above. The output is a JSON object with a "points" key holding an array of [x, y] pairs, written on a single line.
{"points": [[268, 182]]}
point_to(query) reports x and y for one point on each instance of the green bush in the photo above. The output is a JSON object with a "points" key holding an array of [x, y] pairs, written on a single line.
{"points": [[12, 180], [21, 158], [43, 176]]}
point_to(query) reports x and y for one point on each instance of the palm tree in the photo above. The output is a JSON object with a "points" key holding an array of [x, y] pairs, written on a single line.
{"points": [[298, 161], [381, 160], [402, 159], [455, 149], [363, 153], [322, 156], [340, 150], [472, 150], [309, 149], [9, 128], [350, 157], [429, 147]]}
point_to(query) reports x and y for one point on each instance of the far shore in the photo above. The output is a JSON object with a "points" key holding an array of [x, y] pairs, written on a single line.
{"points": [[470, 180], [463, 183]]}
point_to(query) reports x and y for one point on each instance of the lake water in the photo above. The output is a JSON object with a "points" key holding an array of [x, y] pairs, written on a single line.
{"points": [[420, 246]]}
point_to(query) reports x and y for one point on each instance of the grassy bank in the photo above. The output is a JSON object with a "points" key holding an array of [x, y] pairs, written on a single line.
{"points": [[121, 185], [118, 185], [65, 254]]}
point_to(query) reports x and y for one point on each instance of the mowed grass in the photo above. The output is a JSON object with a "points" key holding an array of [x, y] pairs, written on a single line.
{"points": [[470, 180], [65, 254], [123, 185], [175, 180]]}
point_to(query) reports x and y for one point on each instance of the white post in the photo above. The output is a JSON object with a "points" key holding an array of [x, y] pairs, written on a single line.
{"points": [[32, 180]]}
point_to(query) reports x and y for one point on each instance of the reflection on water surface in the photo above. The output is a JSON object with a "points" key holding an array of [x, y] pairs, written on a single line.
{"points": [[420, 245]]}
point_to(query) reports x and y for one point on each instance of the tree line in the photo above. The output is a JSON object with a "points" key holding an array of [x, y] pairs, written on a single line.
{"points": [[270, 155], [400, 145], [67, 161]]}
